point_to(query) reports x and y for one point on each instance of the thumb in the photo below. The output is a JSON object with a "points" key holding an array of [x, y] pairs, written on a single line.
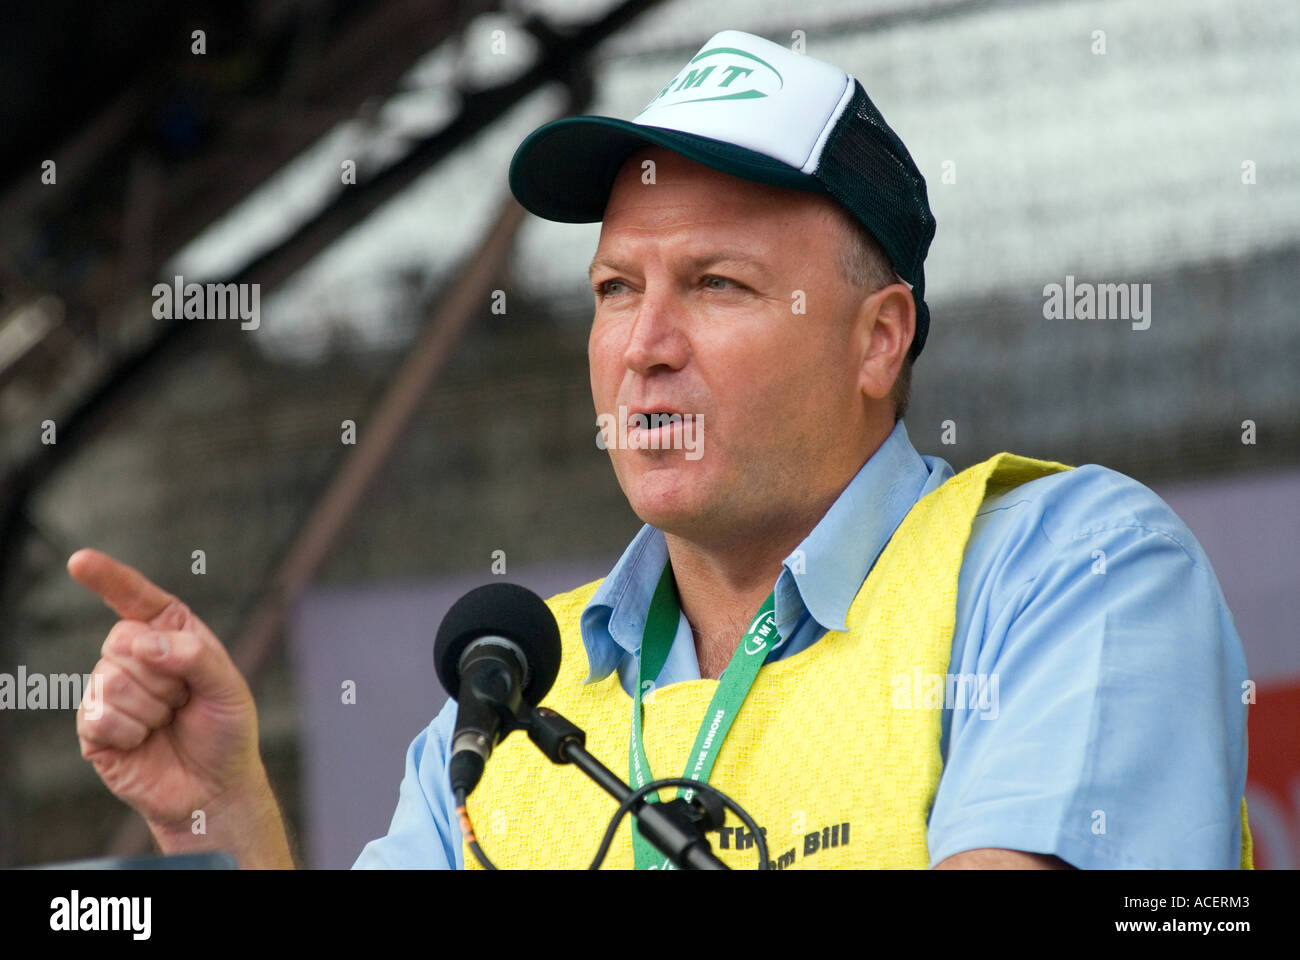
{"points": [[203, 664]]}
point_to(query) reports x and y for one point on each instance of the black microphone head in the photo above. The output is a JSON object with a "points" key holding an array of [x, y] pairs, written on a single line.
{"points": [[500, 610]]}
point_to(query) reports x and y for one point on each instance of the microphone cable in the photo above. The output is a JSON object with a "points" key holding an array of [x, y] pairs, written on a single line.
{"points": [[624, 808], [700, 787], [467, 829]]}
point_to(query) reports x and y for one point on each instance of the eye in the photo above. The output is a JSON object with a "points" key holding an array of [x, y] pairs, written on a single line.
{"points": [[715, 282], [608, 288]]}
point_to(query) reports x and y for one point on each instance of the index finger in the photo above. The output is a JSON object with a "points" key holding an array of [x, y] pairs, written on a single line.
{"points": [[126, 590]]}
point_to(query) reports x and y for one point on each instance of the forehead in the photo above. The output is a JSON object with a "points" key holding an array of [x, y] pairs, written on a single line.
{"points": [[677, 189]]}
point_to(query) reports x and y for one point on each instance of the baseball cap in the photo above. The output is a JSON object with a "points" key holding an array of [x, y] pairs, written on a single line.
{"points": [[753, 109]]}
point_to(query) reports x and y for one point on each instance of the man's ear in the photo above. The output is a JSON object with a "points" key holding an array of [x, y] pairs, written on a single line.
{"points": [[886, 324]]}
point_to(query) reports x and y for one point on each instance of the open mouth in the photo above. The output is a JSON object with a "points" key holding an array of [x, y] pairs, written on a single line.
{"points": [[653, 419], [652, 428]]}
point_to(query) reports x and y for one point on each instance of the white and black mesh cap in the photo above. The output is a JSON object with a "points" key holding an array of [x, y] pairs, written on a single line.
{"points": [[753, 109]]}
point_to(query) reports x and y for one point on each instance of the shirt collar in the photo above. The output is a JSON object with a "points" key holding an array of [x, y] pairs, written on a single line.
{"points": [[614, 617], [828, 568], [821, 577]]}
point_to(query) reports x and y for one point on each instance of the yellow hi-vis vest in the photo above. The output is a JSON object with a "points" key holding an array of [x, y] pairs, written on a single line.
{"points": [[828, 754]]}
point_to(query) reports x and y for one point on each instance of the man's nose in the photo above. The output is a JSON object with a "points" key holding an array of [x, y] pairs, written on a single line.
{"points": [[656, 337]]}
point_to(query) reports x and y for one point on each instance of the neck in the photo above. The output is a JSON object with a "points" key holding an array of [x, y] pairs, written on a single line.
{"points": [[721, 588], [722, 580]]}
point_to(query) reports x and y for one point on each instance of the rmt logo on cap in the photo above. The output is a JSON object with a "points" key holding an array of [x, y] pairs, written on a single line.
{"points": [[698, 82]]}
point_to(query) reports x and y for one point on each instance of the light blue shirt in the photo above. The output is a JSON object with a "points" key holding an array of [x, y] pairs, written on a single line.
{"points": [[1099, 715]]}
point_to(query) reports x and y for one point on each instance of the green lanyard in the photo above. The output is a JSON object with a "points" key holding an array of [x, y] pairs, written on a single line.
{"points": [[656, 641]]}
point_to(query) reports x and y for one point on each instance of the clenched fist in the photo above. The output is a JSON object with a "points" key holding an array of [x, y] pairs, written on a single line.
{"points": [[176, 732]]}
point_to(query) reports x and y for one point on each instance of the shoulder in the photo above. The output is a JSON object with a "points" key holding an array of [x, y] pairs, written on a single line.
{"points": [[1052, 536], [1091, 503]]}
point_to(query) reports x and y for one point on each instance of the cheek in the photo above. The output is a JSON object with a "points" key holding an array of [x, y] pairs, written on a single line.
{"points": [[770, 409], [605, 365], [753, 378]]}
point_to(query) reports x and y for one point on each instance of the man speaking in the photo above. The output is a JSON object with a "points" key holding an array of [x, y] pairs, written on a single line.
{"points": [[1022, 665]]}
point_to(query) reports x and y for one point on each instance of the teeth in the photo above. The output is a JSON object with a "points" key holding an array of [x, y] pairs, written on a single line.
{"points": [[660, 418]]}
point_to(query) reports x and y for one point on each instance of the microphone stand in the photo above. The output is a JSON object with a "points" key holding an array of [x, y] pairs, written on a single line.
{"points": [[676, 828]]}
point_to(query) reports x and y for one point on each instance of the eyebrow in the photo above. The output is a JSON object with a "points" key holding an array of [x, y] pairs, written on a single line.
{"points": [[698, 262]]}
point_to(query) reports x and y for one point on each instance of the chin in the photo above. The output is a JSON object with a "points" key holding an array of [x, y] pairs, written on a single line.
{"points": [[669, 498]]}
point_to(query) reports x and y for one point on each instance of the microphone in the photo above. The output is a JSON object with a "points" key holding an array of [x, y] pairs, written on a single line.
{"points": [[497, 649]]}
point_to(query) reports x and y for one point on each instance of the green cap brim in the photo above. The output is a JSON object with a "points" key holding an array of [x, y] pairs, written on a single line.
{"points": [[564, 169]]}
